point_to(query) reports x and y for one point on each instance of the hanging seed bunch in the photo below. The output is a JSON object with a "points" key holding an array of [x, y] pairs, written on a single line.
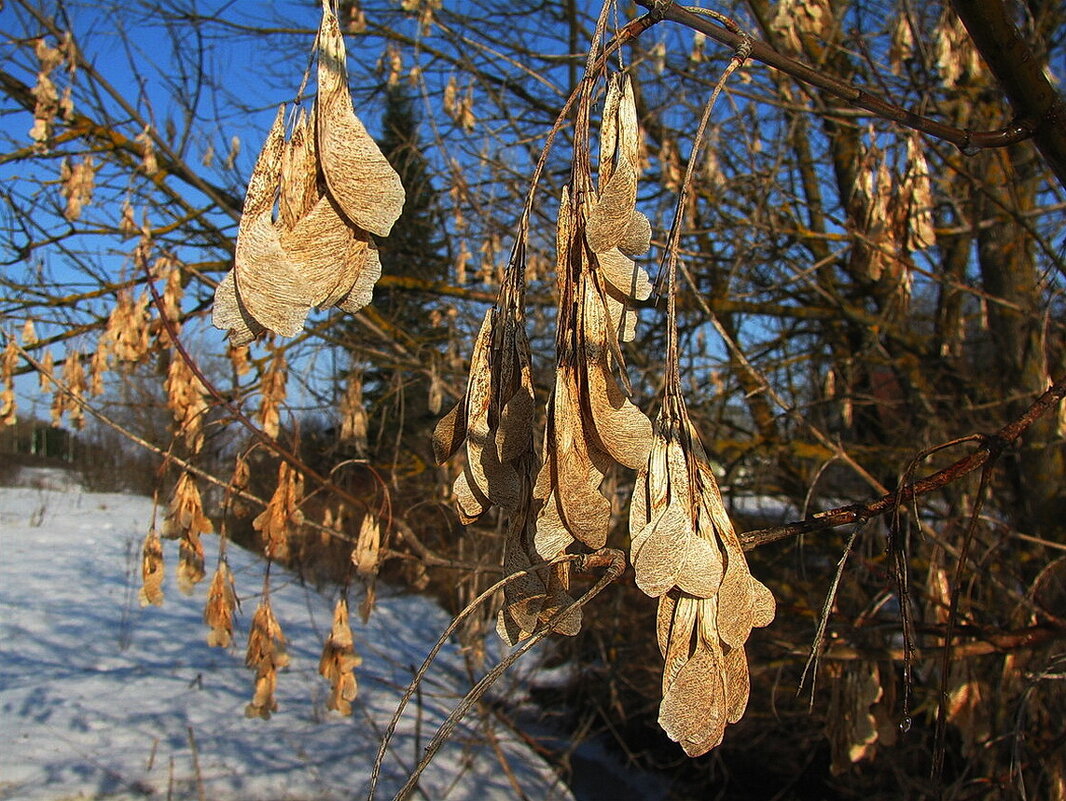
{"points": [[591, 422], [146, 142], [354, 421], [266, 653], [48, 104], [127, 224], [852, 726], [221, 604], [152, 570], [187, 401], [916, 194], [126, 335], [339, 661], [334, 190], [168, 269], [282, 515], [67, 398], [186, 520], [366, 557], [272, 390], [686, 553], [8, 360], [77, 185], [493, 425]]}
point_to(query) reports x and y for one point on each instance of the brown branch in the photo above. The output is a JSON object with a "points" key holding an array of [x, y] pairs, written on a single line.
{"points": [[992, 446], [964, 139], [991, 643], [1021, 75]]}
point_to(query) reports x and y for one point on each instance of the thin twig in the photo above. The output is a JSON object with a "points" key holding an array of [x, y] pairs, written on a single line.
{"points": [[817, 646], [992, 446], [940, 741], [609, 558], [447, 633]]}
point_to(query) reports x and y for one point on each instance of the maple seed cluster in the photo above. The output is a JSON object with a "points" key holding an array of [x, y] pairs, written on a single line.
{"points": [[683, 546], [685, 552], [334, 191]]}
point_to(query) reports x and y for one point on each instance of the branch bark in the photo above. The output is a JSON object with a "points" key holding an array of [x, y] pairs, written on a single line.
{"points": [[992, 446], [965, 140], [1021, 75]]}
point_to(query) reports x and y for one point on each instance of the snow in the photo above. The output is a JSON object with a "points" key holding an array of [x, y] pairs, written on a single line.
{"points": [[100, 698]]}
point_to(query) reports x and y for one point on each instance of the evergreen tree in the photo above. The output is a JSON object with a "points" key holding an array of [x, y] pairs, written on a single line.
{"points": [[416, 246], [414, 249]]}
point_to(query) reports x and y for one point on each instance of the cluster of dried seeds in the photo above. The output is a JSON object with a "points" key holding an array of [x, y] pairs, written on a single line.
{"points": [[126, 336], [69, 392], [354, 421], [339, 661], [77, 185], [591, 422], [8, 360], [220, 606], [851, 724], [366, 557], [185, 520], [48, 104], [277, 523], [334, 189], [265, 654], [152, 570], [493, 425], [685, 551], [186, 398], [272, 393]]}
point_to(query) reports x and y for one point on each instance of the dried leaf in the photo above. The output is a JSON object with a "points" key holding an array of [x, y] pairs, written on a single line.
{"points": [[623, 274], [299, 174], [269, 282], [579, 467], [450, 432], [701, 570], [737, 683], [229, 314], [362, 290], [367, 554], [552, 535], [693, 711], [637, 238], [609, 219], [470, 502], [663, 549], [496, 480], [331, 255], [621, 429], [364, 184], [339, 660], [763, 606], [221, 603], [515, 434], [152, 570]]}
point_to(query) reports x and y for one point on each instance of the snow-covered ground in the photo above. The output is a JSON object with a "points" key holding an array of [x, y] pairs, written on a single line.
{"points": [[100, 698]]}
